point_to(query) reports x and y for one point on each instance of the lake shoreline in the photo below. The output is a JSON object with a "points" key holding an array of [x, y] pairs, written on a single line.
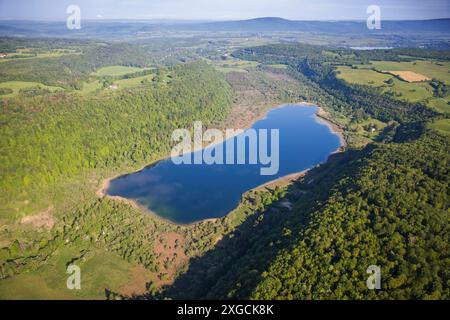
{"points": [[322, 117]]}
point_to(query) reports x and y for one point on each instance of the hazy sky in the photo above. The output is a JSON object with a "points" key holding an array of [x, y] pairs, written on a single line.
{"points": [[224, 9]]}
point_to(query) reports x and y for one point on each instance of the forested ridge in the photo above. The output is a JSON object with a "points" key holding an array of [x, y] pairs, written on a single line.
{"points": [[390, 210]]}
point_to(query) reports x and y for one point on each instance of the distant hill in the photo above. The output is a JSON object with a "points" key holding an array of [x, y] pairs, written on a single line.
{"points": [[279, 24], [122, 28]]}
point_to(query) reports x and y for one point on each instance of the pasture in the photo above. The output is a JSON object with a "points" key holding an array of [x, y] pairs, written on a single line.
{"points": [[16, 86], [442, 126], [115, 71], [414, 92], [439, 70]]}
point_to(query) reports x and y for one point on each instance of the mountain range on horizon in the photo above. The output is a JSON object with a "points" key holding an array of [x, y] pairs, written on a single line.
{"points": [[101, 28]]}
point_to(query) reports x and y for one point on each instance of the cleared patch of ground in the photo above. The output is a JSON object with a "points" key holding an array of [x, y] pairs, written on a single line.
{"points": [[442, 126], [432, 69], [409, 76], [256, 92], [406, 81], [169, 249], [16, 86], [100, 271], [362, 76], [441, 105], [138, 285], [43, 220], [116, 71]]}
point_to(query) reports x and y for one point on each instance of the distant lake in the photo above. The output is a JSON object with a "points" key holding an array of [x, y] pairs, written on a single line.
{"points": [[371, 48], [188, 193]]}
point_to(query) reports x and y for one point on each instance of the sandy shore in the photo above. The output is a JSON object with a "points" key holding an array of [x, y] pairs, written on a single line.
{"points": [[247, 123]]}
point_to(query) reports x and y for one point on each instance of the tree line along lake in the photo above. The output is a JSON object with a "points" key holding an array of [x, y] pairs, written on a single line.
{"points": [[187, 193]]}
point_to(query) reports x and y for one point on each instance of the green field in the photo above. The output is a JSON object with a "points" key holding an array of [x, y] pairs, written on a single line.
{"points": [[235, 65], [413, 92], [16, 86], [431, 69], [115, 71], [362, 76], [27, 54], [442, 126], [99, 269], [90, 87], [278, 66], [133, 82], [441, 105]]}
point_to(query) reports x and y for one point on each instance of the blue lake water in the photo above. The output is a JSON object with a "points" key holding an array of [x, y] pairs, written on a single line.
{"points": [[192, 192]]}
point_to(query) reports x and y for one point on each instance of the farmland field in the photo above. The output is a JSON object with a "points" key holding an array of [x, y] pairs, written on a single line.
{"points": [[409, 76], [432, 69], [362, 76], [413, 92], [442, 126], [115, 71], [16, 86]]}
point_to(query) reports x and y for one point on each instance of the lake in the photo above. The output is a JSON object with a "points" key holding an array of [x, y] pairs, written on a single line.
{"points": [[188, 193]]}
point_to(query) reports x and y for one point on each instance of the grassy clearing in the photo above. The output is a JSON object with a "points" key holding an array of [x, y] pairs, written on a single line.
{"points": [[27, 54], [90, 87], [432, 69], [362, 76], [228, 69], [99, 270], [133, 82], [16, 86], [414, 92], [278, 66], [441, 105], [442, 126], [410, 76], [235, 65], [115, 71]]}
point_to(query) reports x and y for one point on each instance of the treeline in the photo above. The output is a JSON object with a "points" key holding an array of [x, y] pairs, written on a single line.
{"points": [[10, 44], [401, 54]]}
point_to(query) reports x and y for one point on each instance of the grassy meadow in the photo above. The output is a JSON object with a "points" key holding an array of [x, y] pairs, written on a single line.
{"points": [[115, 71], [374, 75]]}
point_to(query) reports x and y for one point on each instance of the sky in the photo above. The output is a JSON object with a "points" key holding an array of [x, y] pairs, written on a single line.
{"points": [[225, 9]]}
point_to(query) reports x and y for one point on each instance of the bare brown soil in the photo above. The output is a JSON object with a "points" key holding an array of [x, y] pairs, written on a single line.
{"points": [[42, 220], [169, 248], [409, 76], [138, 283]]}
